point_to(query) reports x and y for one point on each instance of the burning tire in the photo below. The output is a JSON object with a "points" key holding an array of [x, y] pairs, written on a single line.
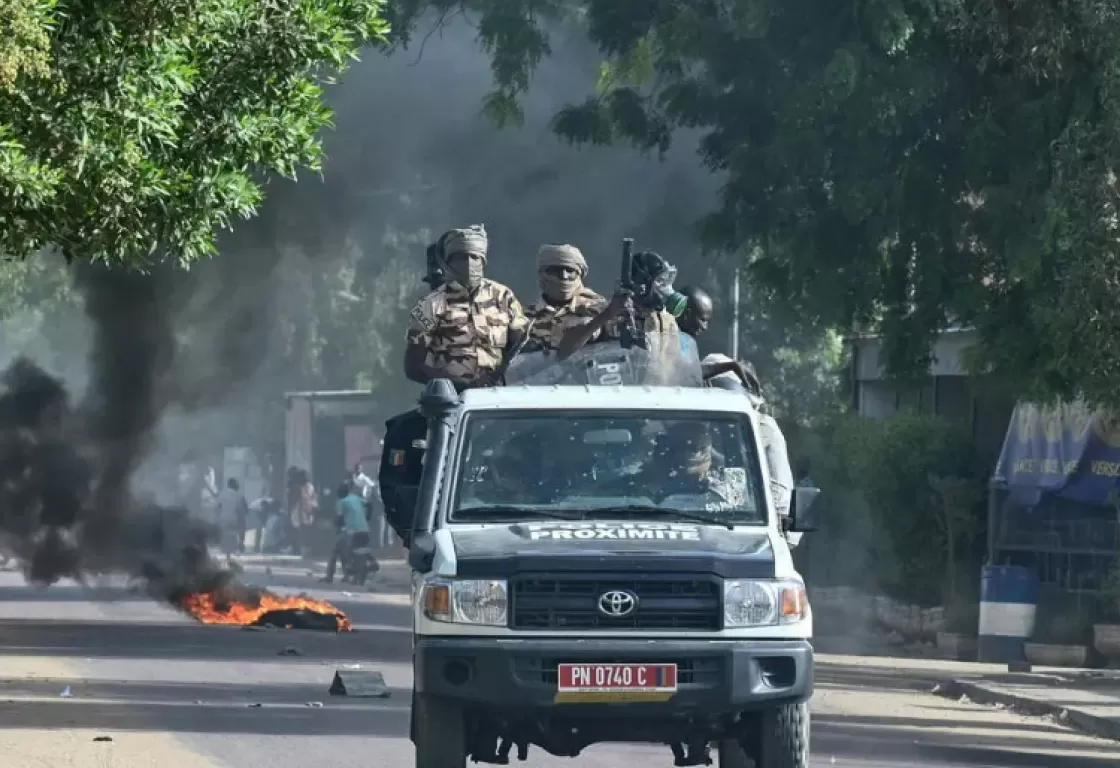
{"points": [[439, 732], [778, 739]]}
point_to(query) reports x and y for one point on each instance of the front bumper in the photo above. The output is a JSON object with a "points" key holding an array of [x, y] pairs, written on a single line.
{"points": [[715, 677]]}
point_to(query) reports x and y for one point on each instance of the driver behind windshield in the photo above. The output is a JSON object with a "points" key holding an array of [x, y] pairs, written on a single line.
{"points": [[681, 463], [509, 475]]}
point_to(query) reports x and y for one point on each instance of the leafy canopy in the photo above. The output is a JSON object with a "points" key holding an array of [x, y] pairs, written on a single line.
{"points": [[904, 164], [130, 130]]}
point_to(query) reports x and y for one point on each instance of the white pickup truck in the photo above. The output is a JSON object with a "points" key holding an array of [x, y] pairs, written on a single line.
{"points": [[603, 563]]}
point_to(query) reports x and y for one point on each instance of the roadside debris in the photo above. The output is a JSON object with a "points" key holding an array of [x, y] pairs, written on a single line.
{"points": [[290, 650], [359, 683], [66, 693], [102, 738]]}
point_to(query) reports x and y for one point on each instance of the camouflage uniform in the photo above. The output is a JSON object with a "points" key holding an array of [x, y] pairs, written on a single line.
{"points": [[466, 335], [550, 323]]}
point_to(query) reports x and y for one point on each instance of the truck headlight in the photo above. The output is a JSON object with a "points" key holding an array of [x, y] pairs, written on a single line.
{"points": [[467, 601], [750, 603]]}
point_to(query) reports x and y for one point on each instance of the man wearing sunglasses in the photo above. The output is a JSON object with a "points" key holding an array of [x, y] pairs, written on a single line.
{"points": [[565, 301]]}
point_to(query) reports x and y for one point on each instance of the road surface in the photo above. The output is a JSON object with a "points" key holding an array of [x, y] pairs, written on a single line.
{"points": [[168, 692]]}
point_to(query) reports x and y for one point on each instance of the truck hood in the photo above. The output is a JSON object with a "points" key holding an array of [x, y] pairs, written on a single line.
{"points": [[502, 550]]}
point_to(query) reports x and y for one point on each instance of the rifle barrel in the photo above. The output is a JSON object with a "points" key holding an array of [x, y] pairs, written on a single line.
{"points": [[627, 260]]}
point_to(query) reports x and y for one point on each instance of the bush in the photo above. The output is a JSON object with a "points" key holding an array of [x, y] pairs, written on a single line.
{"points": [[1063, 618], [905, 500]]}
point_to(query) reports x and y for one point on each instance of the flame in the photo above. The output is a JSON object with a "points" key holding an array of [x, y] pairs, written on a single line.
{"points": [[214, 608]]}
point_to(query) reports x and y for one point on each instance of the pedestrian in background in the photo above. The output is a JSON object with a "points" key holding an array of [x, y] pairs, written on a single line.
{"points": [[260, 512], [303, 504], [233, 514]]}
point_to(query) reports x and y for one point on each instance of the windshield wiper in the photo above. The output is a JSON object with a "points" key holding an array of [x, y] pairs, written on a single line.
{"points": [[650, 509], [509, 510]]}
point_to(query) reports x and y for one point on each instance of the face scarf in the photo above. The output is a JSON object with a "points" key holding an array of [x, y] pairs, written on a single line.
{"points": [[465, 273], [557, 288]]}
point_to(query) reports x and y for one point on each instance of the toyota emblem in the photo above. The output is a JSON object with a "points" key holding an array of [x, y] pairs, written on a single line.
{"points": [[617, 603]]}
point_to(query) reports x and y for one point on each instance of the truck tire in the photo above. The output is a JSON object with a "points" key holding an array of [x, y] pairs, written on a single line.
{"points": [[439, 732], [780, 738], [730, 754]]}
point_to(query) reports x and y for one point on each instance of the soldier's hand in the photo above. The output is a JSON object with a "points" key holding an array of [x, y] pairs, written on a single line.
{"points": [[621, 302], [489, 379]]}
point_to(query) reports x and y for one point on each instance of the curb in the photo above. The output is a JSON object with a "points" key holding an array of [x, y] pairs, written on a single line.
{"points": [[1103, 727]]}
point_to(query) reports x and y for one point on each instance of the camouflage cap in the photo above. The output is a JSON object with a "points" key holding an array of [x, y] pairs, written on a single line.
{"points": [[471, 240]]}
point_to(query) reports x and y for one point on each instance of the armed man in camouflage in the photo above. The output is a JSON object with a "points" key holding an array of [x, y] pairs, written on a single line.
{"points": [[464, 329], [565, 301], [606, 325]]}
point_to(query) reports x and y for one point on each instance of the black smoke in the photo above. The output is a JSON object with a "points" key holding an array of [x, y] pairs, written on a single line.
{"points": [[412, 152], [68, 508]]}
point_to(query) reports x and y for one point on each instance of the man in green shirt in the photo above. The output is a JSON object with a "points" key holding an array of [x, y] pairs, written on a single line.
{"points": [[354, 532]]}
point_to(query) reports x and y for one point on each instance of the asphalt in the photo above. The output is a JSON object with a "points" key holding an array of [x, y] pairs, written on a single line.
{"points": [[167, 691]]}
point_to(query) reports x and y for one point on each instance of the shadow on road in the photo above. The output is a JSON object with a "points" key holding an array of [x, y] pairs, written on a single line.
{"points": [[296, 719], [69, 594], [871, 678], [121, 640], [303, 709], [882, 739]]}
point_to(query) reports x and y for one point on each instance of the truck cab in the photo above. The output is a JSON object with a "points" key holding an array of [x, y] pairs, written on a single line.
{"points": [[602, 563]]}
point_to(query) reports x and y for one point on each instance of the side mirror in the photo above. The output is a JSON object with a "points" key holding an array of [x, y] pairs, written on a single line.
{"points": [[803, 512], [422, 553], [439, 398]]}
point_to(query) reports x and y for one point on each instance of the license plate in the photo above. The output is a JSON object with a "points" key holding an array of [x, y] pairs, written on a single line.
{"points": [[616, 682]]}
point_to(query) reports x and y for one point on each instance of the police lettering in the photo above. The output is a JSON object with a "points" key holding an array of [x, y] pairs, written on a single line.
{"points": [[1048, 467], [615, 532], [1106, 468]]}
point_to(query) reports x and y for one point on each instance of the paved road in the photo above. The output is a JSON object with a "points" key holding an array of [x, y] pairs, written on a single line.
{"points": [[169, 692]]}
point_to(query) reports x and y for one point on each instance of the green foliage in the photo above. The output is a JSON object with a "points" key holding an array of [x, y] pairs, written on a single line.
{"points": [[24, 44], [41, 315], [799, 364], [1063, 618], [152, 124], [900, 163], [899, 489], [1109, 609]]}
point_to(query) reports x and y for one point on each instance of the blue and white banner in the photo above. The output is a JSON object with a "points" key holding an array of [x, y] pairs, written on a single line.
{"points": [[1070, 450]]}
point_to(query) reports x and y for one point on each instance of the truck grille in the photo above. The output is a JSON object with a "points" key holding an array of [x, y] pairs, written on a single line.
{"points": [[571, 602]]}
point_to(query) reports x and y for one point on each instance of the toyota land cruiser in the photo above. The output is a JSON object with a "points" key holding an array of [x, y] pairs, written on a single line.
{"points": [[604, 564]]}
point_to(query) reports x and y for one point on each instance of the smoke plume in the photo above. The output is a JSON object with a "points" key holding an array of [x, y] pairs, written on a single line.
{"points": [[67, 505], [170, 349]]}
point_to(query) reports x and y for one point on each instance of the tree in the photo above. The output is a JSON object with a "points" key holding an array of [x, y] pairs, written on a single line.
{"points": [[904, 164], [137, 129]]}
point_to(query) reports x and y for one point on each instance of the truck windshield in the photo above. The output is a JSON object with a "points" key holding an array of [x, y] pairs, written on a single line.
{"points": [[608, 466]]}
